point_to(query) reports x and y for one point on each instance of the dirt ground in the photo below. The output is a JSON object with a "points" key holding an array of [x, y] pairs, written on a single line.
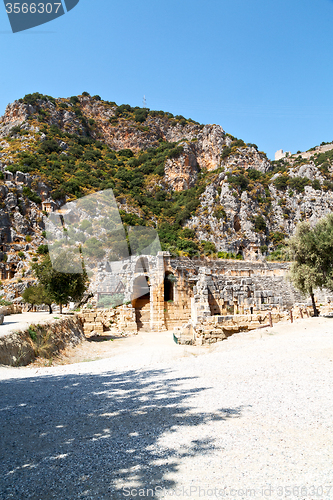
{"points": [[150, 345], [156, 344]]}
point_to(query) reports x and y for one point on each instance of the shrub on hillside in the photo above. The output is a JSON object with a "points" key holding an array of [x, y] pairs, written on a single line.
{"points": [[49, 146], [316, 184], [43, 249], [140, 115], [74, 100], [225, 153], [259, 223], [208, 247], [238, 181], [33, 98], [31, 195], [220, 213], [188, 246], [298, 183], [276, 237], [254, 175], [281, 182]]}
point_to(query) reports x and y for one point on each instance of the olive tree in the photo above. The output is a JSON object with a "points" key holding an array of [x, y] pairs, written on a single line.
{"points": [[61, 287], [37, 295], [311, 249]]}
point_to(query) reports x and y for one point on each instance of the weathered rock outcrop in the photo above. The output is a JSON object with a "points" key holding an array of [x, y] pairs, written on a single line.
{"points": [[245, 219], [247, 157], [181, 173]]}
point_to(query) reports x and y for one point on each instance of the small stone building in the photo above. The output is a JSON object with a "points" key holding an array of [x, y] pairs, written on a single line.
{"points": [[48, 206]]}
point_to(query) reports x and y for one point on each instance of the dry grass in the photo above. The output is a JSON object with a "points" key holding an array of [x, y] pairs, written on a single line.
{"points": [[40, 339]]}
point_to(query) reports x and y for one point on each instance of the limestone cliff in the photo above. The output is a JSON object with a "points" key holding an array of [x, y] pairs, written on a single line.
{"points": [[204, 190]]}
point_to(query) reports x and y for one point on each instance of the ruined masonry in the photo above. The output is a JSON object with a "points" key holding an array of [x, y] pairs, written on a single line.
{"points": [[202, 300]]}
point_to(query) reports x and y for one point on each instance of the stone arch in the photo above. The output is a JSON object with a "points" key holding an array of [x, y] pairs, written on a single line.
{"points": [[169, 286], [141, 301]]}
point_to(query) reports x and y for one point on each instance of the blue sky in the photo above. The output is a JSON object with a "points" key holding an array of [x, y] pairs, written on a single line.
{"points": [[261, 69]]}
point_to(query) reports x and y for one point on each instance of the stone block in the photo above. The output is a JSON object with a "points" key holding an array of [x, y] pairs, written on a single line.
{"points": [[89, 318], [99, 330], [88, 327], [98, 324]]}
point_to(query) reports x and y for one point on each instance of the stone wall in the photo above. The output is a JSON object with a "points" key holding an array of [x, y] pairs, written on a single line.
{"points": [[98, 321], [208, 288], [163, 292], [217, 328]]}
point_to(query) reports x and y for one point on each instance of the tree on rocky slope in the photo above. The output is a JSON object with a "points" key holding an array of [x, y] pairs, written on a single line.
{"points": [[311, 250], [60, 287]]}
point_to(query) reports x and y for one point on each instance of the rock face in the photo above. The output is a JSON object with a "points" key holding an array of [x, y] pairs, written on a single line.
{"points": [[246, 158], [21, 227], [15, 115], [227, 218], [209, 146], [234, 217], [207, 141], [182, 173]]}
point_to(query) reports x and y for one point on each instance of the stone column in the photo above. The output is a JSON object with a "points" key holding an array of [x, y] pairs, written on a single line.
{"points": [[201, 295], [157, 322]]}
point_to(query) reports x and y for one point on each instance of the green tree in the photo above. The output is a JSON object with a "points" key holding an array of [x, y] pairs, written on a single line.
{"points": [[61, 287], [312, 253], [37, 295]]}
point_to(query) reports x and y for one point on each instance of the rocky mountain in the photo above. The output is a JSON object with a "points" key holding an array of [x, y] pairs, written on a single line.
{"points": [[205, 191]]}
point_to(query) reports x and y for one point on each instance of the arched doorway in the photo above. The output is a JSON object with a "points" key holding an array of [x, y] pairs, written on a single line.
{"points": [[169, 284], [141, 302], [240, 253], [213, 304]]}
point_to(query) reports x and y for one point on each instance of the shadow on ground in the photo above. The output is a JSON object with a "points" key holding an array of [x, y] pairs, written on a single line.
{"points": [[103, 338], [88, 436]]}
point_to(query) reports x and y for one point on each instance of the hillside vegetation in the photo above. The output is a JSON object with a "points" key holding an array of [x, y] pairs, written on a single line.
{"points": [[205, 191]]}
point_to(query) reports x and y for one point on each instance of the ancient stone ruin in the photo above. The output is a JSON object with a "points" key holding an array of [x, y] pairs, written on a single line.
{"points": [[200, 300]]}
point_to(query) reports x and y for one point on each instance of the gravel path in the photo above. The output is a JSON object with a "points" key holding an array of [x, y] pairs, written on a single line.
{"points": [[248, 419], [16, 322]]}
